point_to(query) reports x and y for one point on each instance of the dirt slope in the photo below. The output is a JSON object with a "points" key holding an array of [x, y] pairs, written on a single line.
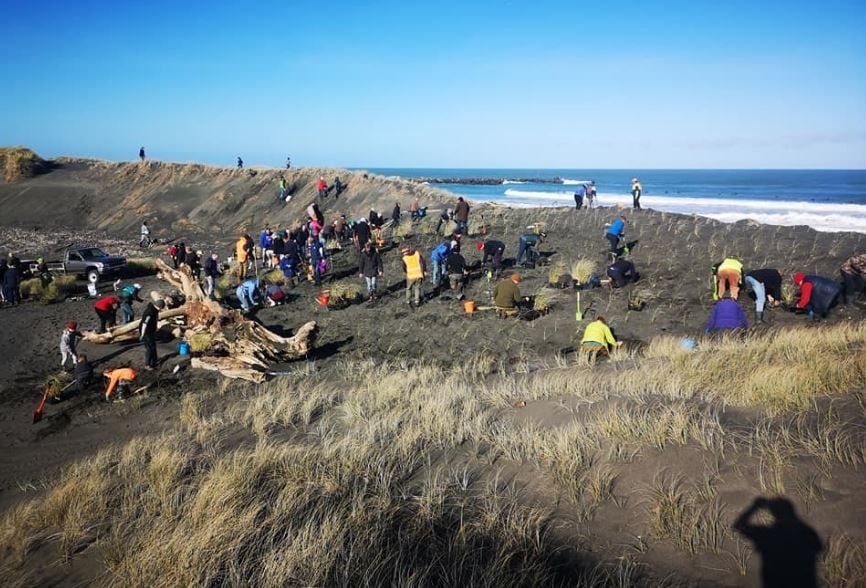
{"points": [[189, 198]]}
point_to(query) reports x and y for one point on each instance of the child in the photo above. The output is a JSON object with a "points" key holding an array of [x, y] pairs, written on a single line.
{"points": [[67, 343], [83, 373]]}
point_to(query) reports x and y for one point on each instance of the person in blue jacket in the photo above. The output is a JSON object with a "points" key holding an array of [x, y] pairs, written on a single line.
{"points": [[248, 294], [316, 255], [726, 315], [615, 232], [266, 242], [439, 255]]}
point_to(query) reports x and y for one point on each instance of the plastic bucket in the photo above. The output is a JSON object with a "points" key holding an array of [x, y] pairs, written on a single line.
{"points": [[469, 306], [183, 348], [324, 297]]}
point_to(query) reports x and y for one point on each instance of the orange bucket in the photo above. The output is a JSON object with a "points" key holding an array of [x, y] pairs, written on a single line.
{"points": [[469, 306], [324, 297]]}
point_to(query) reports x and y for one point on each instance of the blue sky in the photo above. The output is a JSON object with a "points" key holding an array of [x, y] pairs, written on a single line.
{"points": [[441, 84]]}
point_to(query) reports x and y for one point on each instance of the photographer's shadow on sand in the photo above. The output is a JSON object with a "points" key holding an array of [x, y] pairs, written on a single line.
{"points": [[788, 547]]}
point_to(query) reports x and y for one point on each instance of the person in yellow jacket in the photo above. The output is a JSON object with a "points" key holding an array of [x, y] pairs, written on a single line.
{"points": [[242, 256], [597, 337], [119, 378], [729, 275], [415, 270]]}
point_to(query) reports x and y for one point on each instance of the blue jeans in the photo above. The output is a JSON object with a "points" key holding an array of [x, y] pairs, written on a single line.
{"points": [[760, 293], [462, 227], [127, 315], [523, 248], [371, 285], [438, 272]]}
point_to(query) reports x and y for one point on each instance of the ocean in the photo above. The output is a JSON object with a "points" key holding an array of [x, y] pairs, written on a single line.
{"points": [[826, 200]]}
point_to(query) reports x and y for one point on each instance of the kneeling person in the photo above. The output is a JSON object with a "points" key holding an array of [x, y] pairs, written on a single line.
{"points": [[506, 295], [621, 272], [598, 338]]}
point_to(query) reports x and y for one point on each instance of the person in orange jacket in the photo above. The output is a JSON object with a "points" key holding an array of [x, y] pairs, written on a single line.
{"points": [[119, 378], [242, 256]]}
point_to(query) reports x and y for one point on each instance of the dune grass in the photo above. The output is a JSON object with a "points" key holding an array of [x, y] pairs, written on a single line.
{"points": [[395, 473], [19, 163], [141, 266], [56, 291]]}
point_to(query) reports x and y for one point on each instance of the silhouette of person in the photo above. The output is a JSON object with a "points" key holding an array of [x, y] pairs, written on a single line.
{"points": [[141, 154], [789, 547], [240, 163]]}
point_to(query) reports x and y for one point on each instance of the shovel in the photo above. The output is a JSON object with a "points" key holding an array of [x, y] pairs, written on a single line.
{"points": [[40, 410], [579, 314]]}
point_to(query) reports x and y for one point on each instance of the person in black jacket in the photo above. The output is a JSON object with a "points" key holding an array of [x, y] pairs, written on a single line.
{"points": [[212, 273], [621, 272], [370, 268], [11, 283], [455, 267], [147, 332], [83, 373], [362, 234], [395, 214], [492, 249]]}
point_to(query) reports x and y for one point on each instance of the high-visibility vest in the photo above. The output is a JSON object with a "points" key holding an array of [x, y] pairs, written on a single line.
{"points": [[731, 264], [241, 251], [413, 266]]}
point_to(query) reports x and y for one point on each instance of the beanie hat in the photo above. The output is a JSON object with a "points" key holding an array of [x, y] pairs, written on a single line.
{"points": [[479, 245], [798, 278], [71, 325], [516, 278]]}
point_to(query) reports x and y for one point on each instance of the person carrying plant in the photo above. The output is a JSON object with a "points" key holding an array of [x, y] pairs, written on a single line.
{"points": [[729, 276], [414, 270], [68, 340], [106, 310], [118, 379], [817, 294], [598, 338], [506, 295], [370, 268]]}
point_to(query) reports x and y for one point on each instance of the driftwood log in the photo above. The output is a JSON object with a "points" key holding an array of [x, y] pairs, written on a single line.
{"points": [[236, 346]]}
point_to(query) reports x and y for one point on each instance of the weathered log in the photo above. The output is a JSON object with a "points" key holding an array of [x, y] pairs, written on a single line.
{"points": [[229, 367], [129, 331]]}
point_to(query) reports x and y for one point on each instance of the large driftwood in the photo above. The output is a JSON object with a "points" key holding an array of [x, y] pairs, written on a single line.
{"points": [[129, 331], [239, 347]]}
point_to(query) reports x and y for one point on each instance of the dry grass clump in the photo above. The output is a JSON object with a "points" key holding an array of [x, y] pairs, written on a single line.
{"points": [[557, 272], [543, 300], [583, 269], [844, 562], [274, 276], [19, 163], [141, 266], [678, 515], [56, 291], [345, 292]]}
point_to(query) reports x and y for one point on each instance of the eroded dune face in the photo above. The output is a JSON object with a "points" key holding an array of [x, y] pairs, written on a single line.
{"points": [[191, 197]]}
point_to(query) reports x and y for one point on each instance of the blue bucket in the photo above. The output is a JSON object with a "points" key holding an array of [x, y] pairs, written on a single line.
{"points": [[183, 348]]}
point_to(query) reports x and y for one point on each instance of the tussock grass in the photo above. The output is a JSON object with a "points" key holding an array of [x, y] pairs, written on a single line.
{"points": [[345, 292], [677, 515], [583, 269], [19, 162], [556, 272], [844, 562], [56, 291], [141, 266]]}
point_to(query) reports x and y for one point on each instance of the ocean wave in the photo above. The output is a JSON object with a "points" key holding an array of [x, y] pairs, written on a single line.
{"points": [[506, 182], [568, 182], [821, 216]]}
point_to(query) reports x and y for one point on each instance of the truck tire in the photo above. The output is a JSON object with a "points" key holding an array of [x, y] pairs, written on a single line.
{"points": [[92, 276]]}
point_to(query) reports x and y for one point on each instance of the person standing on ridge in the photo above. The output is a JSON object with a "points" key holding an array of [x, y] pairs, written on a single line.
{"points": [[283, 189], [415, 270], [240, 162], [591, 194], [461, 215], [288, 163], [321, 187], [395, 214], [338, 187], [141, 154], [147, 332], [636, 191], [241, 256]]}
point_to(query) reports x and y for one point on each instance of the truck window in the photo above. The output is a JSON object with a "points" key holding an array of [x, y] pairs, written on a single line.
{"points": [[94, 252], [75, 257]]}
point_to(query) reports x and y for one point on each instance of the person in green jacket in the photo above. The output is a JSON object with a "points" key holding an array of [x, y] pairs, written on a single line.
{"points": [[598, 337]]}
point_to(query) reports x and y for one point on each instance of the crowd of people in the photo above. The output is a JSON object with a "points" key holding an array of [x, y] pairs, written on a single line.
{"points": [[303, 251]]}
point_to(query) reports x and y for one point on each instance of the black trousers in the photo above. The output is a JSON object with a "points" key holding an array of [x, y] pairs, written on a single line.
{"points": [[149, 342], [105, 317], [635, 197], [613, 240]]}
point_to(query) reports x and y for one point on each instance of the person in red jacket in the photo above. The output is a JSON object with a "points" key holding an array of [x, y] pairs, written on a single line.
{"points": [[106, 310], [321, 187]]}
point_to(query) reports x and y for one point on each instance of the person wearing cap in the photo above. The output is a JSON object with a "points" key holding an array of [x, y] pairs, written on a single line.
{"points": [[506, 295], [598, 338], [118, 379], [817, 294], [415, 270], [494, 250], [636, 191], [147, 332], [127, 295], [67, 343]]}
